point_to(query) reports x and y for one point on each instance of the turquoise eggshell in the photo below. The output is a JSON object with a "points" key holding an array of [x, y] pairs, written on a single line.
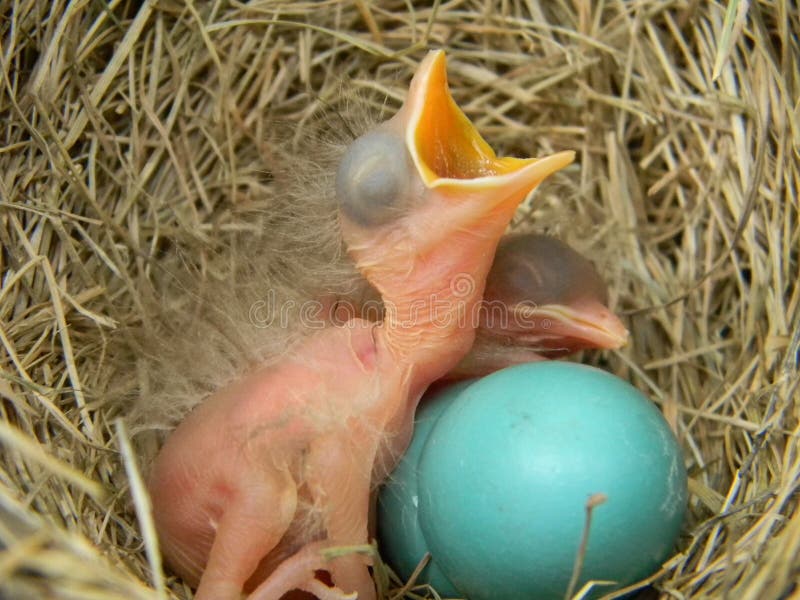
{"points": [[506, 470], [401, 542]]}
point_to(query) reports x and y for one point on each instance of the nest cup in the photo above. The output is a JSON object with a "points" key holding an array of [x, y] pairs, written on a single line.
{"points": [[165, 166]]}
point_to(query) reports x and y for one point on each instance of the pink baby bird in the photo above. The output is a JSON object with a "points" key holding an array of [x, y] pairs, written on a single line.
{"points": [[261, 480]]}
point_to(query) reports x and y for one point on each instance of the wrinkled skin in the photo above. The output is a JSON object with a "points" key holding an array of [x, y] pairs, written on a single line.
{"points": [[262, 478], [543, 300]]}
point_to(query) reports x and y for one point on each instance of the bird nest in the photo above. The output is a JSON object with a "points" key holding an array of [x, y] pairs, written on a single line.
{"points": [[144, 138]]}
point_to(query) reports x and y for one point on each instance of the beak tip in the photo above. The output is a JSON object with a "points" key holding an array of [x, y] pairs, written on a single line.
{"points": [[566, 158], [622, 339], [434, 61], [613, 329], [618, 335]]}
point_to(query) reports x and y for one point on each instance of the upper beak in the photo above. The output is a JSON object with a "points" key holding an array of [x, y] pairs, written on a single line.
{"points": [[571, 328], [449, 153]]}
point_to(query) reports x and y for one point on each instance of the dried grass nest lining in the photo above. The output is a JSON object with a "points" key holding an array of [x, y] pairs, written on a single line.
{"points": [[137, 139]]}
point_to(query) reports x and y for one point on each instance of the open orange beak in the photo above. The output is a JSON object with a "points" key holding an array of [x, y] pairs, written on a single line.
{"points": [[449, 153], [423, 192]]}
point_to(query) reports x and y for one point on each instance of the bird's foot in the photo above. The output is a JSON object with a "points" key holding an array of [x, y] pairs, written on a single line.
{"points": [[299, 573]]}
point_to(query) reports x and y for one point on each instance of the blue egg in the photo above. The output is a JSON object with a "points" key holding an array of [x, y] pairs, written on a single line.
{"points": [[507, 470], [402, 544], [499, 484]]}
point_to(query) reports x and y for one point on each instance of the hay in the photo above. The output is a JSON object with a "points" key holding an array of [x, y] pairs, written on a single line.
{"points": [[138, 140]]}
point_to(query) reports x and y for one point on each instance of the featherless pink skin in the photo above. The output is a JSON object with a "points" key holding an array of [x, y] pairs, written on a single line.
{"points": [[542, 300], [262, 479]]}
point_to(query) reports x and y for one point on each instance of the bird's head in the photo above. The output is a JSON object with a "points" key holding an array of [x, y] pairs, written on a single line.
{"points": [[423, 199], [543, 295]]}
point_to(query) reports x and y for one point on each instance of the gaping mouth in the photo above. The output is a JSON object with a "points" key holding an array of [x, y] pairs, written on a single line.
{"points": [[446, 148]]}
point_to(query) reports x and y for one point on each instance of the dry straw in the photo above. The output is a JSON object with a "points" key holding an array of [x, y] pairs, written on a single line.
{"points": [[143, 139]]}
